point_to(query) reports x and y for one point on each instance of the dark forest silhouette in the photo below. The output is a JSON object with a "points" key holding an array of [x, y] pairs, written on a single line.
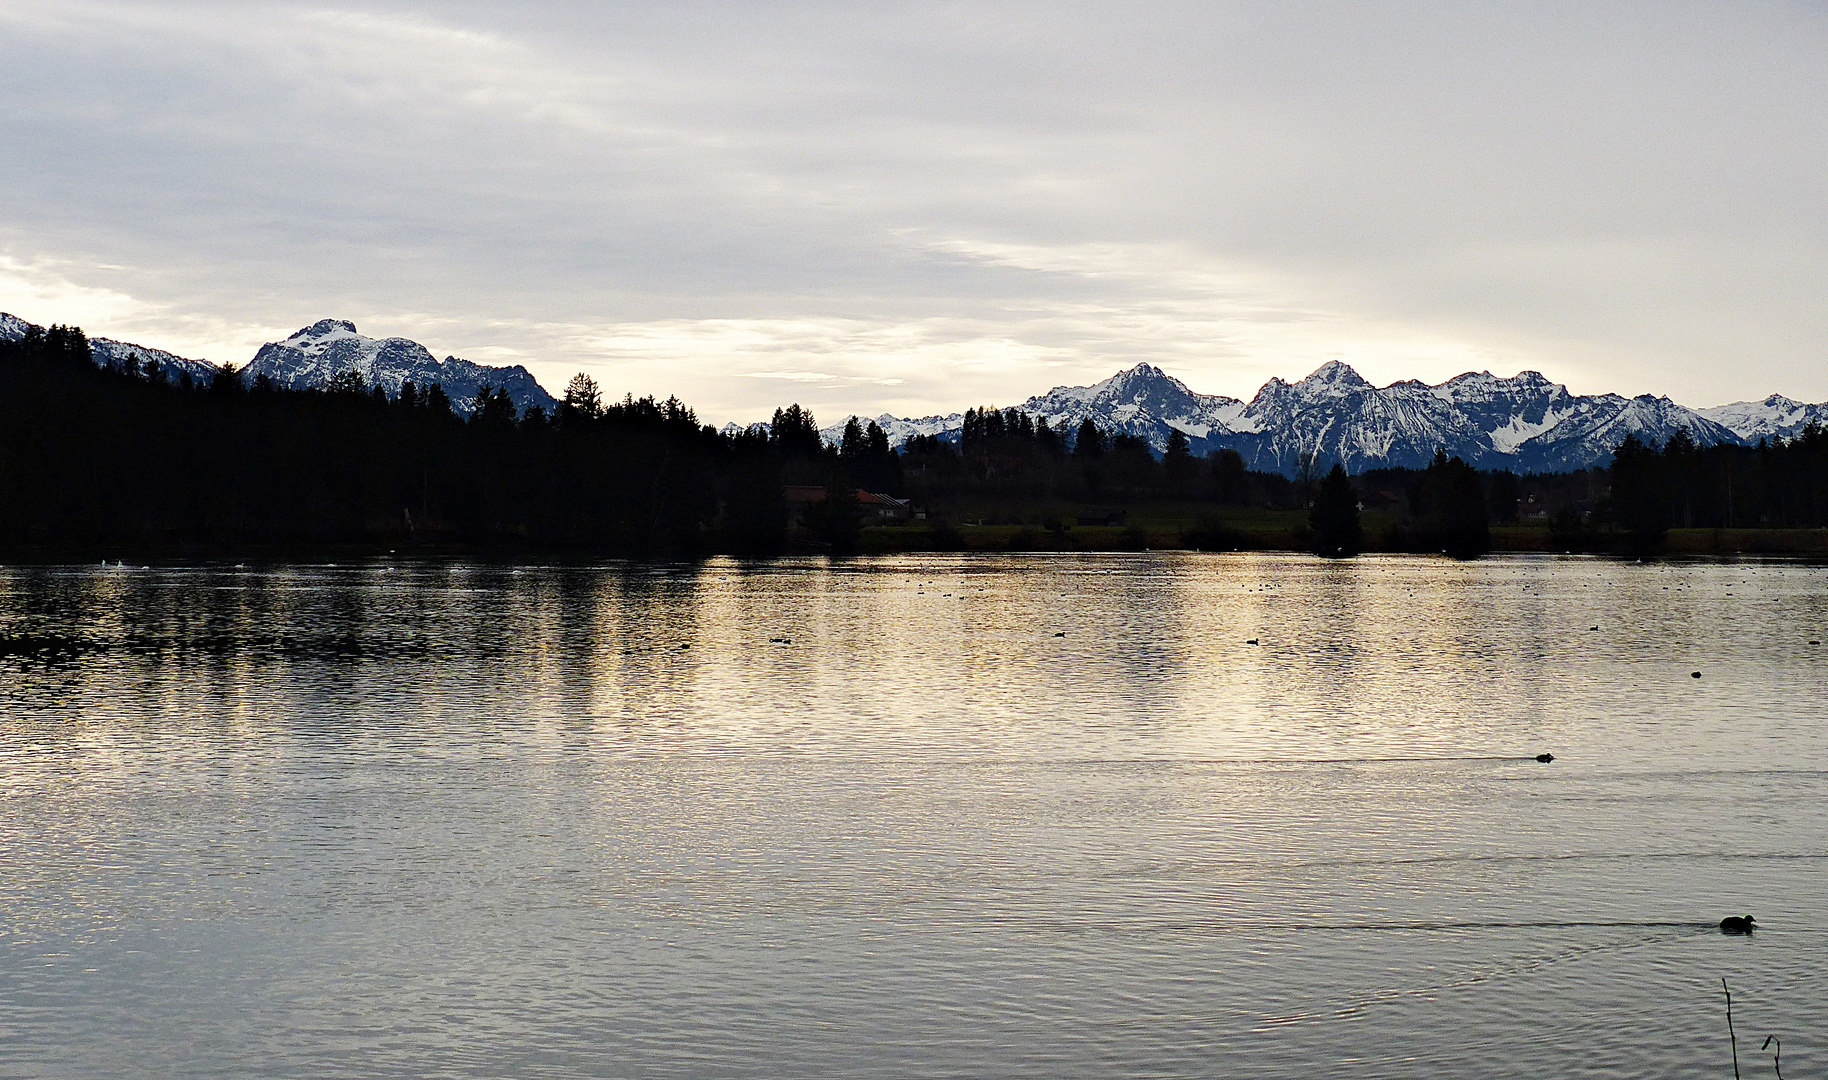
{"points": [[1777, 484], [133, 455]]}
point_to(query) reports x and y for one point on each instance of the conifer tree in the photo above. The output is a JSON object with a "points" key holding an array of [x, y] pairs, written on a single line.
{"points": [[794, 432], [1089, 443], [1458, 498], [346, 383], [1334, 515], [851, 445], [1230, 479], [583, 399], [1638, 501], [1178, 463]]}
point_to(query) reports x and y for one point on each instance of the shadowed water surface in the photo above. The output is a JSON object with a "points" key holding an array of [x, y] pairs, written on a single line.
{"points": [[881, 819]]}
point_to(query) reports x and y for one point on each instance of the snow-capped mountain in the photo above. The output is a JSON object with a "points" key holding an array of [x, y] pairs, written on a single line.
{"points": [[310, 357], [109, 351], [901, 430], [1774, 416], [1584, 436], [1143, 401], [12, 327], [1524, 423]]}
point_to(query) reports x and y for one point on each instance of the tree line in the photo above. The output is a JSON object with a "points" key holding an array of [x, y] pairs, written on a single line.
{"points": [[136, 454], [1780, 483], [1006, 453], [131, 455]]}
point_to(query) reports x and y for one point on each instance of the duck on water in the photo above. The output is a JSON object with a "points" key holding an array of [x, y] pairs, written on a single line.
{"points": [[1737, 924]]}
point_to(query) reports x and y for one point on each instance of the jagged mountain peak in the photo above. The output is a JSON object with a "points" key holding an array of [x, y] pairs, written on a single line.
{"points": [[1483, 387], [1119, 383], [1144, 372], [1143, 401], [1140, 380], [1525, 422], [327, 347], [325, 328], [340, 336], [1485, 379], [1335, 377]]}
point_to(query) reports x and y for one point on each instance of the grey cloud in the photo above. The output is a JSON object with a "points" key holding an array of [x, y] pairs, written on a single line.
{"points": [[1628, 197]]}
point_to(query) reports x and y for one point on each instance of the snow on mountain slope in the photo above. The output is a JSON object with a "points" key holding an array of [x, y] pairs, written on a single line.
{"points": [[108, 351], [1509, 411], [1144, 401], [1586, 436], [1525, 422], [901, 430], [1335, 415], [312, 355], [1775, 416]]}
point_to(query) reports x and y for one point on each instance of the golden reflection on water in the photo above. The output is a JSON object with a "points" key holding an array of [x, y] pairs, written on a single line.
{"points": [[1028, 815]]}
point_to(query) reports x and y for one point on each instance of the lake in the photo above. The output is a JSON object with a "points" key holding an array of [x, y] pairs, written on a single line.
{"points": [[1253, 815]]}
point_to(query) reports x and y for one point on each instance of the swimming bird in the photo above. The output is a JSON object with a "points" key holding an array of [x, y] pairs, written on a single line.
{"points": [[1545, 758], [1737, 924]]}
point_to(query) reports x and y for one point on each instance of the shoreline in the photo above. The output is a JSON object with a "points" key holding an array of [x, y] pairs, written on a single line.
{"points": [[937, 538]]}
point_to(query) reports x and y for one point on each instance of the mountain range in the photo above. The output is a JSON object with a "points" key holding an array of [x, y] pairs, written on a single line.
{"points": [[1524, 423], [108, 351], [312, 355]]}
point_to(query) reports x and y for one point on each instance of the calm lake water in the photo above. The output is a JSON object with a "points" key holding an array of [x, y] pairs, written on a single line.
{"points": [[434, 820]]}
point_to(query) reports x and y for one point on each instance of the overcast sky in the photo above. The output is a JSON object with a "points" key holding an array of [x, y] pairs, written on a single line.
{"points": [[915, 208]]}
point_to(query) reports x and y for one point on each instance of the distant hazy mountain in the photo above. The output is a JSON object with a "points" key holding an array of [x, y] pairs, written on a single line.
{"points": [[310, 357], [1524, 423]]}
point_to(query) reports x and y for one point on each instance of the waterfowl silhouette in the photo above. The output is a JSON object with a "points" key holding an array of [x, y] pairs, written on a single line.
{"points": [[1545, 758], [1737, 924]]}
